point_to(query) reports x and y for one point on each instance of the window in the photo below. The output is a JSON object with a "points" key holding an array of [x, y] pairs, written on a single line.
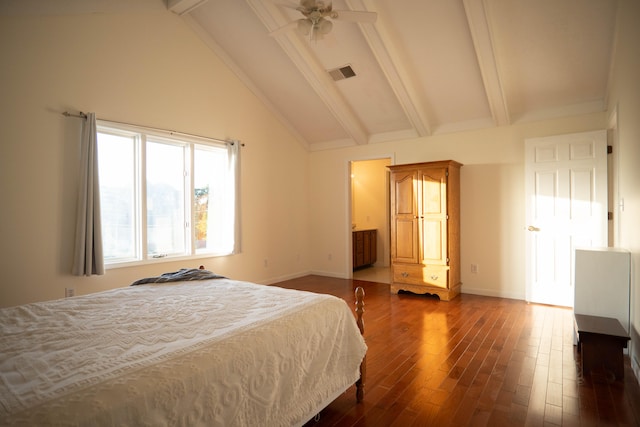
{"points": [[164, 196]]}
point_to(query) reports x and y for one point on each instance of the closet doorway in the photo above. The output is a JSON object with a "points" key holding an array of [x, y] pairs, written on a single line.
{"points": [[370, 211]]}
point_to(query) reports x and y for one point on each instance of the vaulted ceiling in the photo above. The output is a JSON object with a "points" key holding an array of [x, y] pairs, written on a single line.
{"points": [[423, 67]]}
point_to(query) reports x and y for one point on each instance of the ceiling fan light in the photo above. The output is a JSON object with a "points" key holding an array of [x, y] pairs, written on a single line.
{"points": [[324, 26]]}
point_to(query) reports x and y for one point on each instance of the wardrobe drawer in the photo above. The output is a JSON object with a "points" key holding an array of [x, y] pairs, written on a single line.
{"points": [[434, 275]]}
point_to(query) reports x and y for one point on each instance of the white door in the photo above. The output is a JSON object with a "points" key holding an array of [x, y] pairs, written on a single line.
{"points": [[566, 208]]}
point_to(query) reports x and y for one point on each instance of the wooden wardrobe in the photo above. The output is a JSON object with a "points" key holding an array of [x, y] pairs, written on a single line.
{"points": [[425, 228]]}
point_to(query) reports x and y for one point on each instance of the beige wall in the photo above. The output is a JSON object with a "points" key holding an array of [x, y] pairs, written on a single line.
{"points": [[624, 102], [147, 69]]}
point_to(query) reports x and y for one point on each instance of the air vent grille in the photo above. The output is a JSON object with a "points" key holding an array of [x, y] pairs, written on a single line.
{"points": [[342, 73]]}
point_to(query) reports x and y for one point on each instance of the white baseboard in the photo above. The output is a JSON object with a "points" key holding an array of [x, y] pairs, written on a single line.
{"points": [[492, 293], [272, 280], [635, 367], [329, 274]]}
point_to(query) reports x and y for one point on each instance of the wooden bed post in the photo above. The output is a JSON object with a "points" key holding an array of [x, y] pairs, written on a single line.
{"points": [[360, 322]]}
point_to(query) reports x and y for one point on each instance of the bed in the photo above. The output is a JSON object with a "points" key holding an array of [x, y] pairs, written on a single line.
{"points": [[212, 352]]}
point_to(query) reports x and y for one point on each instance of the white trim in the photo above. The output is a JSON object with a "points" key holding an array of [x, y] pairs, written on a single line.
{"points": [[492, 293]]}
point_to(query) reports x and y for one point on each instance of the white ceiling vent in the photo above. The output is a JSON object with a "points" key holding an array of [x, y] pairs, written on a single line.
{"points": [[342, 73]]}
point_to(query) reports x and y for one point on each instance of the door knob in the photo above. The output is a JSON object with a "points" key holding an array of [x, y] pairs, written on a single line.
{"points": [[532, 228]]}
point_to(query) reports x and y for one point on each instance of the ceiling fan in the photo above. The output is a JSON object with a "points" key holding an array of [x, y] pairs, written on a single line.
{"points": [[318, 16]]}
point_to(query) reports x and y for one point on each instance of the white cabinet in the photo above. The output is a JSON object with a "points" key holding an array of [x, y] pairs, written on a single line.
{"points": [[602, 283]]}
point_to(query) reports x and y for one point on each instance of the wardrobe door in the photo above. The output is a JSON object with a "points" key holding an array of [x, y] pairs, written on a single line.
{"points": [[433, 216], [404, 225]]}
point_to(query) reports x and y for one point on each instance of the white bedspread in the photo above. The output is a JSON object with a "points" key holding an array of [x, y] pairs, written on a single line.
{"points": [[217, 352]]}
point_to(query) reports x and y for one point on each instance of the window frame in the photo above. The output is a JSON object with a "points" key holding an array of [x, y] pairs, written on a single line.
{"points": [[190, 143]]}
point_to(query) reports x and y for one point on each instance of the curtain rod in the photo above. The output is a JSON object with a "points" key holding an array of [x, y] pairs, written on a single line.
{"points": [[82, 115]]}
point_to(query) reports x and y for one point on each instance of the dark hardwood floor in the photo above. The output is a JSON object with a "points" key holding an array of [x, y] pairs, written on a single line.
{"points": [[473, 361]]}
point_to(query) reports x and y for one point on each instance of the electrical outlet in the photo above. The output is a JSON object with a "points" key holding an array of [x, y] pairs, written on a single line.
{"points": [[329, 257], [474, 268], [69, 292], [266, 263]]}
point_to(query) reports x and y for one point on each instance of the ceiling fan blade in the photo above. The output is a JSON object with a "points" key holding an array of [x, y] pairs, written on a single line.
{"points": [[354, 16], [284, 29]]}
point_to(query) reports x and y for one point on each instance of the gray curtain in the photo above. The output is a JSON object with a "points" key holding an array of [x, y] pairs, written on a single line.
{"points": [[88, 256]]}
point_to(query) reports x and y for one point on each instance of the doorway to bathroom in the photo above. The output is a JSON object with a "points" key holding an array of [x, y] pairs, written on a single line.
{"points": [[369, 182]]}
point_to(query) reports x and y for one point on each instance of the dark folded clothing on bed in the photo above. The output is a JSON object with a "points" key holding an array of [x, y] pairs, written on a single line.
{"points": [[184, 274]]}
